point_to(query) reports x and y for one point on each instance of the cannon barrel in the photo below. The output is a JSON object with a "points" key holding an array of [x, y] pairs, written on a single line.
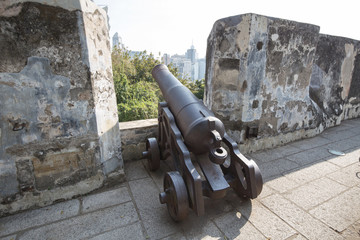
{"points": [[201, 130]]}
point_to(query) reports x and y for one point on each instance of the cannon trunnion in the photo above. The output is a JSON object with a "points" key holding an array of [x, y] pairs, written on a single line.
{"points": [[189, 134]]}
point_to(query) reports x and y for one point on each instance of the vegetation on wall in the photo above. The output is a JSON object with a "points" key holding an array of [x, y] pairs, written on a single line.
{"points": [[137, 93]]}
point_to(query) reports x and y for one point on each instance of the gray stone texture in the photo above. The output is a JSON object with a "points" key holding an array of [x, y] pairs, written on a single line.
{"points": [[347, 145], [297, 218], [348, 175], [316, 192], [58, 119], [178, 236], [133, 137], [135, 170], [311, 172], [345, 207], [133, 231], [12, 237], [282, 184], [266, 75], [276, 168], [202, 229], [236, 226], [273, 81], [273, 154], [25, 174], [86, 225], [309, 156], [266, 221], [351, 156], [105, 199], [346, 134], [335, 79], [157, 176], [314, 201], [145, 193], [266, 191], [157, 222], [352, 232], [44, 119], [296, 237], [42, 216], [258, 73], [311, 143]]}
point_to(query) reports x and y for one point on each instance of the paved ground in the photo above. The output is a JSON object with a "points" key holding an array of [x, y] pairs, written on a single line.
{"points": [[309, 194]]}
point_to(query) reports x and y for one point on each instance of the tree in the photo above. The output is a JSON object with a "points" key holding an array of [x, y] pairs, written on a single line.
{"points": [[196, 87], [137, 93]]}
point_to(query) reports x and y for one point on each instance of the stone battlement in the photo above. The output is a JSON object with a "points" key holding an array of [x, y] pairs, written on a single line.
{"points": [[59, 129], [271, 81]]}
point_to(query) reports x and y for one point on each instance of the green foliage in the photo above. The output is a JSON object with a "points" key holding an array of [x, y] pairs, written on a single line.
{"points": [[196, 87], [137, 93], [136, 101]]}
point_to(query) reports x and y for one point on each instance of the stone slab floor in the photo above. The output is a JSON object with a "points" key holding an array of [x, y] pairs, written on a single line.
{"points": [[308, 194]]}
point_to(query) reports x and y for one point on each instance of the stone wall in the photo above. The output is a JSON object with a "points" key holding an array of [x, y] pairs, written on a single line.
{"points": [[335, 79], [273, 81], [134, 135], [59, 130]]}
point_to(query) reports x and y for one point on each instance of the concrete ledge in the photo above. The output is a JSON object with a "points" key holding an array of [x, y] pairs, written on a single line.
{"points": [[134, 135]]}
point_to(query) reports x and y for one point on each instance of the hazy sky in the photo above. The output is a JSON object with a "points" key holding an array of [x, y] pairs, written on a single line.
{"points": [[170, 26]]}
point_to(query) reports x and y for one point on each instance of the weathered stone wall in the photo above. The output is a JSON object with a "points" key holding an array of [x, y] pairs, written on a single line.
{"points": [[59, 130], [270, 80], [134, 135], [335, 79]]}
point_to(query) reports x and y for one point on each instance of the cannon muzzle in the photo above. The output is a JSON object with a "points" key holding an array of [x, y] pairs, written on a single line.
{"points": [[201, 130]]}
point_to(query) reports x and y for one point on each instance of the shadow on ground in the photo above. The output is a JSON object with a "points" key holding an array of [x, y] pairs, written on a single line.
{"points": [[304, 174], [308, 194]]}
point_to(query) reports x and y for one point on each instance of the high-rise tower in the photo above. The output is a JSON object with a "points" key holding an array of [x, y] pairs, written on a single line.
{"points": [[116, 41], [191, 54]]}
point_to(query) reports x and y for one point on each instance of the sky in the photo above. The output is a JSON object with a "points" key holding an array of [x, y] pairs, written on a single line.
{"points": [[172, 26]]}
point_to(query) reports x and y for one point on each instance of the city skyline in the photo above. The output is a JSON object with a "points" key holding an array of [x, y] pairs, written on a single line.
{"points": [[117, 41], [188, 64], [169, 26]]}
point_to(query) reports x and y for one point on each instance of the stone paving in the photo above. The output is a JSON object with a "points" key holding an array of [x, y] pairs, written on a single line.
{"points": [[308, 194]]}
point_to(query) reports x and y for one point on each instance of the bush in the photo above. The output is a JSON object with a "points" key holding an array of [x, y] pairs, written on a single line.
{"points": [[136, 91]]}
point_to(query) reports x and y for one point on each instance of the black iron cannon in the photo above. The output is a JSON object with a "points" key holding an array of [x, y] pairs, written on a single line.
{"points": [[206, 161]]}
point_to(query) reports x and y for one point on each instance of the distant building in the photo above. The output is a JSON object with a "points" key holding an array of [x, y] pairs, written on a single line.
{"points": [[202, 64], [188, 65], [182, 64], [117, 41], [191, 54], [195, 71], [178, 56], [166, 58]]}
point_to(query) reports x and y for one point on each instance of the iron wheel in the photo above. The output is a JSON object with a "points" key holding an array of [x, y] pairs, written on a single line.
{"points": [[153, 154], [175, 196]]}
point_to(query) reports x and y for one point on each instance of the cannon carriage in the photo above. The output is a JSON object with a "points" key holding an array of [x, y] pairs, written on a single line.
{"points": [[189, 134]]}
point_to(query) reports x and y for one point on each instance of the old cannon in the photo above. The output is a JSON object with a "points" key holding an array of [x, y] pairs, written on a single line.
{"points": [[206, 161]]}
